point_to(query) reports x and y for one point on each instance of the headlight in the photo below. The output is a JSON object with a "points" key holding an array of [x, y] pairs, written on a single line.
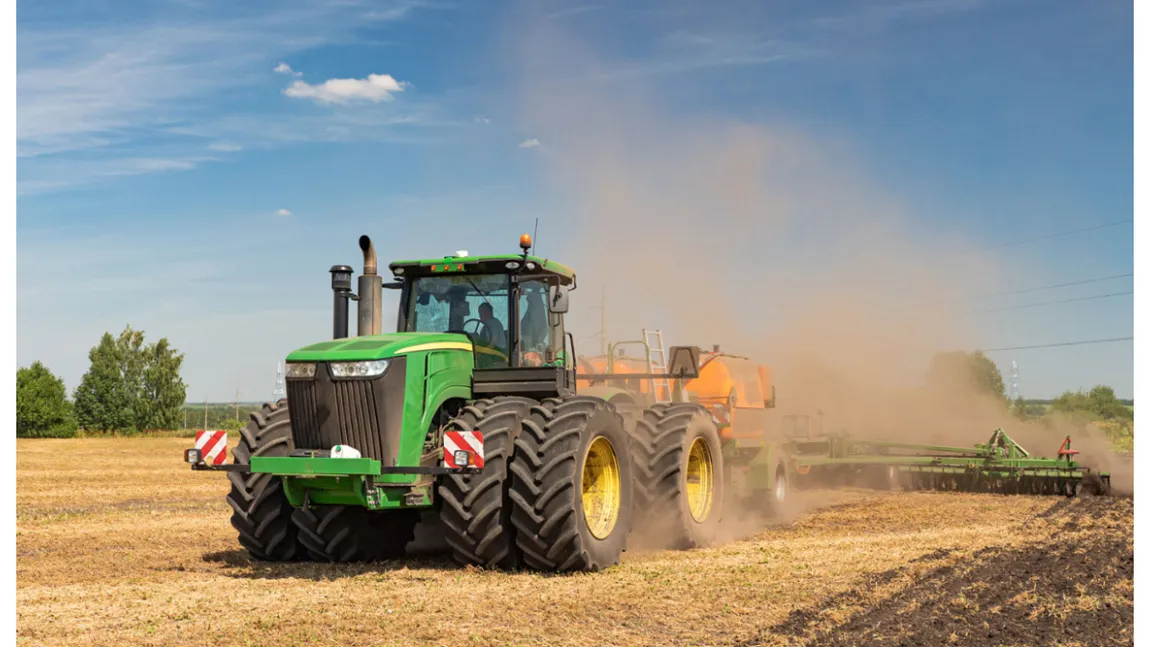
{"points": [[359, 369], [301, 369]]}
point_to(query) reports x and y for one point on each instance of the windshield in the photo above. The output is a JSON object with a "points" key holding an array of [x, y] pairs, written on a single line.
{"points": [[478, 305]]}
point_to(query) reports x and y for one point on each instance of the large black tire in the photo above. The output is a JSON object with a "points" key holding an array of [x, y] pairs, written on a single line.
{"points": [[476, 514], [664, 437], [340, 533], [260, 509], [547, 485]]}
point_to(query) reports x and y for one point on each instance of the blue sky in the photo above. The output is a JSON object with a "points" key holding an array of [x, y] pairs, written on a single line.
{"points": [[192, 168]]}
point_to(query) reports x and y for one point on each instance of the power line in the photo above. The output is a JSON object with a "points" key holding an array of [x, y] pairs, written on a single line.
{"points": [[1059, 285], [1065, 343], [1058, 235], [1046, 303]]}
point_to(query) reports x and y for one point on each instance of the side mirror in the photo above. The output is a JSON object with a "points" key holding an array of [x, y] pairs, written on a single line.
{"points": [[684, 362], [557, 301], [395, 285], [770, 404]]}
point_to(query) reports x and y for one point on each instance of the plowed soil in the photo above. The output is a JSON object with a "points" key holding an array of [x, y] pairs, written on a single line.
{"points": [[119, 543]]}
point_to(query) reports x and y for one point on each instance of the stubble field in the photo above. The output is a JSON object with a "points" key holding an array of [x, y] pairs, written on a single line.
{"points": [[119, 543]]}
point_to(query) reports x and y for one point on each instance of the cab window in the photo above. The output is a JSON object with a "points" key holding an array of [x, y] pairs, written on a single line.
{"points": [[540, 331], [476, 305]]}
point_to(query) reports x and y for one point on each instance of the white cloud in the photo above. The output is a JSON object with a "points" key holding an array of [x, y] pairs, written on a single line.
{"points": [[375, 88], [283, 212], [168, 74], [482, 120], [284, 68], [225, 147], [529, 143]]}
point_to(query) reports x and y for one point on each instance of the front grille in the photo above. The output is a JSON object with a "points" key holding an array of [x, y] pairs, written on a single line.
{"points": [[366, 414], [358, 418], [302, 409]]}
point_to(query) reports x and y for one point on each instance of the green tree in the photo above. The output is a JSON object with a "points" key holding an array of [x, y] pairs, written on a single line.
{"points": [[133, 365], [42, 407], [131, 386], [972, 371], [163, 391], [1099, 403], [103, 401]]}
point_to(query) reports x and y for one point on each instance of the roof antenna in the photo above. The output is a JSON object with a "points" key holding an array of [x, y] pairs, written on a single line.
{"points": [[535, 237]]}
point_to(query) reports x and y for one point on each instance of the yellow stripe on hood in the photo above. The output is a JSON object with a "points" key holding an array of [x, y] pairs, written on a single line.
{"points": [[439, 345]]}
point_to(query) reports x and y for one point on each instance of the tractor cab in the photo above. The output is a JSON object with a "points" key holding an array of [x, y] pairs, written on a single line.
{"points": [[509, 306]]}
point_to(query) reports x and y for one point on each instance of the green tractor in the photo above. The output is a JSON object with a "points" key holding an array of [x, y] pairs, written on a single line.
{"points": [[469, 411]]}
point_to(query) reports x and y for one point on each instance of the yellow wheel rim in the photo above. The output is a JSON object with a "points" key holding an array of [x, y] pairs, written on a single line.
{"points": [[602, 495], [700, 480]]}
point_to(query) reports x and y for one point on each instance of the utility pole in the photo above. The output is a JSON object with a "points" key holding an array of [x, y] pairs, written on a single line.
{"points": [[237, 403], [1014, 380], [205, 413], [185, 416]]}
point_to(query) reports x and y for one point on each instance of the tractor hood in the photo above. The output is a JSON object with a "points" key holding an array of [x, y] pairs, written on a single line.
{"points": [[379, 346]]}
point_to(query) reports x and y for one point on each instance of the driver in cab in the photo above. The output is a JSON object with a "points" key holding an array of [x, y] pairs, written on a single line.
{"points": [[492, 334]]}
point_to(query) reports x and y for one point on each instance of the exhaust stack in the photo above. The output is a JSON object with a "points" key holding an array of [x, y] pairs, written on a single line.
{"points": [[341, 292], [370, 304]]}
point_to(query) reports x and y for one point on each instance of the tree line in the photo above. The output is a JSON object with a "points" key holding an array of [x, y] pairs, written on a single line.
{"points": [[1099, 405], [130, 386], [219, 415]]}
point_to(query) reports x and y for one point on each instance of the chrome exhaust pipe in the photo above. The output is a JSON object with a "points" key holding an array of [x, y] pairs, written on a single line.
{"points": [[370, 304]]}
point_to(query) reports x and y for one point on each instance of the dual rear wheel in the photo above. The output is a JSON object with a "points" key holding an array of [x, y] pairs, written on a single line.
{"points": [[571, 493], [679, 471]]}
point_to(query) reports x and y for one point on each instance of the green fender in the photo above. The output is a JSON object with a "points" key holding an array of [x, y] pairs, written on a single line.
{"points": [[449, 393]]}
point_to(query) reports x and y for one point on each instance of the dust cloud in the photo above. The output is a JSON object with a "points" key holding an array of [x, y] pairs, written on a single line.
{"points": [[768, 238]]}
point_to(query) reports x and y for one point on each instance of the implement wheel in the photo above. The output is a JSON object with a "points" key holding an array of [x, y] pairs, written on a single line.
{"points": [[476, 515], [1095, 485], [261, 513], [780, 492], [571, 485], [679, 483], [341, 533], [894, 478]]}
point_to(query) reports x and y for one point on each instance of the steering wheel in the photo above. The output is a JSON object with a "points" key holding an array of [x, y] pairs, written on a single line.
{"points": [[479, 327]]}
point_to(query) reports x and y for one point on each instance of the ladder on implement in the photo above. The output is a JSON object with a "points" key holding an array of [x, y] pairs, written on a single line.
{"points": [[657, 361]]}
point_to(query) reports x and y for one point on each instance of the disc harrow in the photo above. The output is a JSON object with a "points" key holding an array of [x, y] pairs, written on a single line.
{"points": [[1000, 465]]}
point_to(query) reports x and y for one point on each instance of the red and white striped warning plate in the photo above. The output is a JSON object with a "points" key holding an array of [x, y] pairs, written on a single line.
{"points": [[468, 441], [720, 415], [213, 446]]}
